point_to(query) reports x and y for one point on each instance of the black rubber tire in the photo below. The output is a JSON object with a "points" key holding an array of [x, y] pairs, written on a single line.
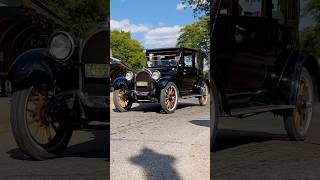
{"points": [[163, 95], [214, 114], [202, 101], [289, 122], [22, 135], [117, 105]]}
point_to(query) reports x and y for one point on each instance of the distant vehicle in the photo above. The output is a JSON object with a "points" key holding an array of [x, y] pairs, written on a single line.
{"points": [[258, 63], [118, 69], [59, 88], [171, 73]]}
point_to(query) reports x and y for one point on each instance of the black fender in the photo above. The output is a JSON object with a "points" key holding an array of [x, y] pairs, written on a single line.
{"points": [[290, 76], [163, 81], [122, 81], [29, 64], [201, 82], [217, 85]]}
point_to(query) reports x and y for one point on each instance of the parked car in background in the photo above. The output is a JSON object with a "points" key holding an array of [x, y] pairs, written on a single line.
{"points": [[170, 73], [258, 63], [118, 69]]}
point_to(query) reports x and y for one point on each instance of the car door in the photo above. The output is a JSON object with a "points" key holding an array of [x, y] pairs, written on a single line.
{"points": [[189, 72], [245, 47]]}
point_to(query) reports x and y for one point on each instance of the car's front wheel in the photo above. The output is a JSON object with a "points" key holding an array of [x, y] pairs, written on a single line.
{"points": [[298, 123], [37, 133], [169, 98], [120, 100], [205, 96]]}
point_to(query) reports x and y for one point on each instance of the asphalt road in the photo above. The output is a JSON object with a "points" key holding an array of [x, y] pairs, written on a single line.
{"points": [[146, 144], [87, 156], [258, 148]]}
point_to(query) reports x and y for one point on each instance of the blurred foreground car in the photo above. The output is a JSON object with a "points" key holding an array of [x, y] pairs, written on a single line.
{"points": [[59, 88], [171, 73], [259, 64]]}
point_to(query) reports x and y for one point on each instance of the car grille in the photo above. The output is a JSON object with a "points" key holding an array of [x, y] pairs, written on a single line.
{"points": [[144, 76], [95, 52]]}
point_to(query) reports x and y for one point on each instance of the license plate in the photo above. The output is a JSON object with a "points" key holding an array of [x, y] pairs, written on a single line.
{"points": [[97, 70], [141, 83]]}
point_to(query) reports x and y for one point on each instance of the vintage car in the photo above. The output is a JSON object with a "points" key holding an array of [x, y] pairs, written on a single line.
{"points": [[21, 28], [59, 88], [117, 69], [259, 63], [171, 73]]}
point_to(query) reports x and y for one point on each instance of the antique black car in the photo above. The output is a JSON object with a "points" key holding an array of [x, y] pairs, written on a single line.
{"points": [[59, 88], [171, 73], [259, 63]]}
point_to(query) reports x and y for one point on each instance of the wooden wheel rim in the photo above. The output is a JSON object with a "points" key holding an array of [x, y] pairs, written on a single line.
{"points": [[302, 114], [122, 98], [42, 127], [171, 98], [205, 96]]}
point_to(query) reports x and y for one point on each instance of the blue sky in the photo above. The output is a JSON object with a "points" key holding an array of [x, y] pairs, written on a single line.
{"points": [[155, 23]]}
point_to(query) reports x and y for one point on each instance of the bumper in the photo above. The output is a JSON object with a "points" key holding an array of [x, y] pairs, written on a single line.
{"points": [[139, 96]]}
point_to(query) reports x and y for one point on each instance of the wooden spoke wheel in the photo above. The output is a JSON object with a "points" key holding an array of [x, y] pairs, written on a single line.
{"points": [[121, 100], [36, 132], [298, 124], [169, 98], [203, 100]]}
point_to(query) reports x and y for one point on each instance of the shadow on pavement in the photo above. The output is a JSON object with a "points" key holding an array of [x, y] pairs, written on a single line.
{"points": [[156, 165], [97, 147], [226, 139], [205, 123], [155, 107]]}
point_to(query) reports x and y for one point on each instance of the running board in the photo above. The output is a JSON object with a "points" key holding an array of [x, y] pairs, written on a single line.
{"points": [[190, 96], [262, 109]]}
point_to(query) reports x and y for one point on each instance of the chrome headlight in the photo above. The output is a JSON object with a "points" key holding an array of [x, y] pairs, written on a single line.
{"points": [[156, 75], [61, 46], [129, 75]]}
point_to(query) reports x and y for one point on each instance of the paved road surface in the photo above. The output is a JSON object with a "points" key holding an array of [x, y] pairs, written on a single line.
{"points": [[87, 156], [258, 148], [146, 144]]}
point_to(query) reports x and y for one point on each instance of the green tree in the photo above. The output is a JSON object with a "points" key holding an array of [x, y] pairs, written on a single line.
{"points": [[198, 6], [313, 7], [196, 36], [130, 51], [81, 15], [310, 36]]}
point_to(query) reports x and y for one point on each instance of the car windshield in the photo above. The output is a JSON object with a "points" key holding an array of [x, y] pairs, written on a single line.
{"points": [[163, 60], [10, 3]]}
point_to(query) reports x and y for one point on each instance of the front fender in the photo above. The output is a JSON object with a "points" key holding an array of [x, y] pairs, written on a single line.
{"points": [[28, 63], [162, 82], [122, 81]]}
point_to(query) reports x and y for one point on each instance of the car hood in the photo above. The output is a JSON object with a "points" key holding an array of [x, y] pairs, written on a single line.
{"points": [[163, 70]]}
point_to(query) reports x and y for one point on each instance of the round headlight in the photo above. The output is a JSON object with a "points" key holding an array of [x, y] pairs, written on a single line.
{"points": [[61, 46], [129, 75], [156, 75]]}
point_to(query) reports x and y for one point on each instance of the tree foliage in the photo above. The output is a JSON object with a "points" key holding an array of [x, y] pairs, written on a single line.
{"points": [[198, 6], [310, 37], [313, 7], [130, 51], [196, 36], [81, 15]]}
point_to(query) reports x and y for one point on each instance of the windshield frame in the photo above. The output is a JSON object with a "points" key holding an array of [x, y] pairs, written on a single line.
{"points": [[163, 58]]}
